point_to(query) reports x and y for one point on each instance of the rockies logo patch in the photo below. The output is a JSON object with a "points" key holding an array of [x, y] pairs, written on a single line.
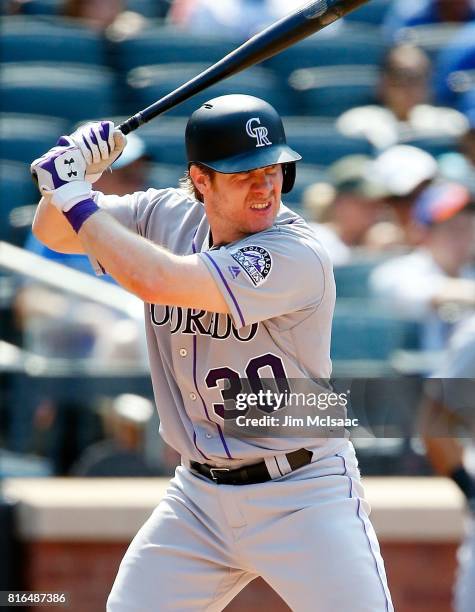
{"points": [[255, 261]]}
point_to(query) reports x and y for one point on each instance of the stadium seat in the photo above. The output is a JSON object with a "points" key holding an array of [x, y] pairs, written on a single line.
{"points": [[23, 138], [149, 83], [68, 91], [164, 45], [319, 142], [435, 145], [467, 99], [165, 175], [25, 39], [362, 330], [372, 13], [42, 7], [18, 189], [362, 45], [332, 90], [153, 9], [165, 140], [431, 37], [352, 279]]}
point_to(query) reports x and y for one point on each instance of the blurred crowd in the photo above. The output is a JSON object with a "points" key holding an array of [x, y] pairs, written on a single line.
{"points": [[382, 106]]}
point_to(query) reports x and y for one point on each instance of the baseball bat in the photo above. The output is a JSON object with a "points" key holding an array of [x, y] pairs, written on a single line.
{"points": [[303, 22]]}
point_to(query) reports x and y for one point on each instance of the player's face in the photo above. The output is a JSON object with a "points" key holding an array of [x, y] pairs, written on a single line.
{"points": [[244, 203]]}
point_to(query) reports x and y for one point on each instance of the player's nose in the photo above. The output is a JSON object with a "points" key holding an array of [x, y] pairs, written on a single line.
{"points": [[262, 182]]}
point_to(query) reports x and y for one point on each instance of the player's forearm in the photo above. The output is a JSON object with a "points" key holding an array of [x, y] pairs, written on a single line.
{"points": [[53, 230], [445, 454], [137, 264]]}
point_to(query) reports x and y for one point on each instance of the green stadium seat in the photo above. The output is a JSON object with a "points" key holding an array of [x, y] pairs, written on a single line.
{"points": [[432, 37], [150, 83], [319, 142], [23, 138], [352, 279], [348, 43], [371, 13], [362, 329], [164, 45], [68, 91], [162, 176], [165, 140], [26, 39], [332, 90], [18, 190], [435, 145]]}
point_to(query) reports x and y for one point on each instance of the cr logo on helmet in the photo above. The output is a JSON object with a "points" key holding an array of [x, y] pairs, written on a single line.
{"points": [[259, 133]]}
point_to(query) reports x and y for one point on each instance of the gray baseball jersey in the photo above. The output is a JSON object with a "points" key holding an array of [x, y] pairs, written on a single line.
{"points": [[280, 290]]}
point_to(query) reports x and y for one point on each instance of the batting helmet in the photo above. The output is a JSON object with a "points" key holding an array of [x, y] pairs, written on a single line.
{"points": [[238, 133]]}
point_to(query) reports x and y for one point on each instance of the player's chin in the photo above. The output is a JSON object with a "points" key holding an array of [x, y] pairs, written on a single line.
{"points": [[261, 223], [263, 215]]}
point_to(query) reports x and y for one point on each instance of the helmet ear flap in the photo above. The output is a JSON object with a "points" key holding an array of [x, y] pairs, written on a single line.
{"points": [[289, 171]]}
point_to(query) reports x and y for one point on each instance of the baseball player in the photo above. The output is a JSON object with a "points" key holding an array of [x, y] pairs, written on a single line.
{"points": [[236, 287], [449, 412]]}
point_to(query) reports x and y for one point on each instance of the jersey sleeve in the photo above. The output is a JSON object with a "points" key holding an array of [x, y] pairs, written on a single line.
{"points": [[269, 276], [134, 210]]}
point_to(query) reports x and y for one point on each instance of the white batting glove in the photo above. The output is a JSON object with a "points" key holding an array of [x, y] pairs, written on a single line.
{"points": [[61, 174], [100, 145]]}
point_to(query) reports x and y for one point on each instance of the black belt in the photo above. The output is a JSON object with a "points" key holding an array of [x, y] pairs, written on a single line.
{"points": [[250, 474]]}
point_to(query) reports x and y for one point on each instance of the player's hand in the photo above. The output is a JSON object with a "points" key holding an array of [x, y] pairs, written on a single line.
{"points": [[100, 143], [61, 174]]}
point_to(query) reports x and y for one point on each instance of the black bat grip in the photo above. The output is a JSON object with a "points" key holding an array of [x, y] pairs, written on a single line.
{"points": [[131, 124]]}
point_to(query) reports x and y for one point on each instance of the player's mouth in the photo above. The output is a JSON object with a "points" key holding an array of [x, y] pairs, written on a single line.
{"points": [[261, 206]]}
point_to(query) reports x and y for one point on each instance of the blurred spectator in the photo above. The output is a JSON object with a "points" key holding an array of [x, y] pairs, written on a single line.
{"points": [[405, 110], [96, 15], [105, 16], [409, 13], [234, 18], [460, 166], [467, 143], [404, 172], [455, 68], [448, 428], [342, 212], [122, 452], [435, 284]]}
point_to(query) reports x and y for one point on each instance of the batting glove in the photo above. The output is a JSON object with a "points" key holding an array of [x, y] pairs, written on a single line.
{"points": [[100, 145], [61, 174]]}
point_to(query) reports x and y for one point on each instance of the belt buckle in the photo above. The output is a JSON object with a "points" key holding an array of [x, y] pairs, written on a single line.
{"points": [[212, 470]]}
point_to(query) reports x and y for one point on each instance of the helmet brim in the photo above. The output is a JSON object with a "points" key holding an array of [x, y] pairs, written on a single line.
{"points": [[278, 154]]}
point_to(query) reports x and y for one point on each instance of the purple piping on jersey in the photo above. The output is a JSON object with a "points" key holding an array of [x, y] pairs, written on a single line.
{"points": [[196, 445], [227, 287], [220, 431], [364, 528]]}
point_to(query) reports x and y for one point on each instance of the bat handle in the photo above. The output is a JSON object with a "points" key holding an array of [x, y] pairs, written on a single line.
{"points": [[131, 124]]}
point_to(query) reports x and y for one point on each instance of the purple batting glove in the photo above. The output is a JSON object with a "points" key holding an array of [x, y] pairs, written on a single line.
{"points": [[61, 174], [59, 166], [96, 141]]}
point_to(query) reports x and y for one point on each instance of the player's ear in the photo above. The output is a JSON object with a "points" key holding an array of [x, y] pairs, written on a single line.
{"points": [[201, 179]]}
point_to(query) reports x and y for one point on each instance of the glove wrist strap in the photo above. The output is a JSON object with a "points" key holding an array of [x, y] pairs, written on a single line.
{"points": [[79, 213], [68, 195]]}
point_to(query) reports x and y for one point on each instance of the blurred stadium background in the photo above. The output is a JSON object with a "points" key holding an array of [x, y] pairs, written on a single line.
{"points": [[59, 398]]}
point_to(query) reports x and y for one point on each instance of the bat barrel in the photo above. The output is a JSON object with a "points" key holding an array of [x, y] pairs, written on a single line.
{"points": [[279, 36]]}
